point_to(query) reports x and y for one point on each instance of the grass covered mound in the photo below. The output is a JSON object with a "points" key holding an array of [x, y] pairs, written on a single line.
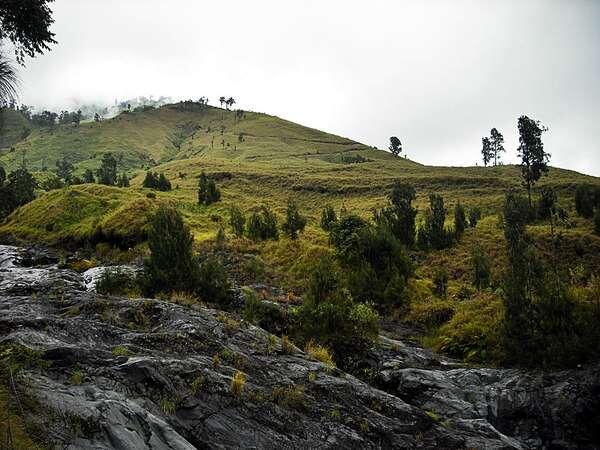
{"points": [[83, 214]]}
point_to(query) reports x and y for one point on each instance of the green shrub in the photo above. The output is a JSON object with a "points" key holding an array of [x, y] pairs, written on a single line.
{"points": [[460, 219], [171, 265], [481, 268], [597, 221], [328, 218], [330, 316], [433, 234], [474, 216], [237, 220], [440, 282], [375, 265], [212, 283], [584, 200], [546, 205], [266, 315], [208, 192], [156, 181], [116, 282], [474, 331], [294, 221], [262, 224], [399, 217]]}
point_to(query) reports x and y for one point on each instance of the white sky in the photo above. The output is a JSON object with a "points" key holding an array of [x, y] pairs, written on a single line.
{"points": [[438, 74]]}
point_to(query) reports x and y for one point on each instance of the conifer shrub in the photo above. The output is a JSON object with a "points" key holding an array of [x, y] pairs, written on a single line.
{"points": [[237, 221], [208, 192], [294, 221], [171, 265], [433, 234], [460, 219], [584, 200], [597, 221], [474, 216], [212, 283], [440, 282], [331, 318], [375, 265], [546, 205], [399, 217], [262, 224], [481, 268], [157, 181], [328, 218]]}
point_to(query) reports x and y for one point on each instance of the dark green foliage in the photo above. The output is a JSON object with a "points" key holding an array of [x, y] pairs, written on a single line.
{"points": [[433, 234], [64, 170], [474, 216], [26, 23], [597, 221], [2, 176], [328, 218], [353, 159], [330, 316], [395, 146], [481, 268], [460, 219], [547, 203], [88, 176], [18, 190], [262, 224], [171, 265], [115, 282], [584, 200], [208, 192], [163, 183], [486, 150], [534, 160], [123, 180], [496, 144], [268, 316], [294, 221], [156, 181], [374, 262], [399, 218], [212, 282], [107, 173], [237, 220], [440, 282], [540, 325], [51, 183], [45, 119]]}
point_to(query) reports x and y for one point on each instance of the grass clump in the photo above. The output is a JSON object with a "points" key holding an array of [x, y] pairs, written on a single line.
{"points": [[320, 353], [168, 405], [77, 377], [290, 396], [116, 282], [121, 350], [238, 381]]}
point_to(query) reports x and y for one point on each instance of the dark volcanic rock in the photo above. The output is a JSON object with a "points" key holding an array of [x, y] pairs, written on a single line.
{"points": [[141, 373]]}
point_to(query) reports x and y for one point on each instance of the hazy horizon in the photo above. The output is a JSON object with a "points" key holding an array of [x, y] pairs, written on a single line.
{"points": [[437, 75]]}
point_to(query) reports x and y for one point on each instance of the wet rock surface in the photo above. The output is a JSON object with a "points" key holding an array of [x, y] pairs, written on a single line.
{"points": [[142, 373]]}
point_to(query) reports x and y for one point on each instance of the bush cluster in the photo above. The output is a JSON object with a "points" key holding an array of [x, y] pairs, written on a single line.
{"points": [[208, 192], [156, 181]]}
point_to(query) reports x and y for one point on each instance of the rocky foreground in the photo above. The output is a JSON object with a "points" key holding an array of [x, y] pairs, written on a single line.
{"points": [[120, 373]]}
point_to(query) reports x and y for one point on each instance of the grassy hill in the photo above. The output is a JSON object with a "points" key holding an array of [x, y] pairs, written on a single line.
{"points": [[256, 159]]}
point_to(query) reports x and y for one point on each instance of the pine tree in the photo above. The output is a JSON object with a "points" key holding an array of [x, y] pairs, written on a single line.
{"points": [[107, 173], [294, 221], [328, 218], [534, 160], [171, 266], [460, 220], [237, 221]]}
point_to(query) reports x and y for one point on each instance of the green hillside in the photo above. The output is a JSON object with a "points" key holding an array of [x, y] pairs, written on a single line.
{"points": [[256, 159]]}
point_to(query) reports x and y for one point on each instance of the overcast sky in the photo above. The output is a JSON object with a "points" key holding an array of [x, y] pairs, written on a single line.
{"points": [[438, 74]]}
